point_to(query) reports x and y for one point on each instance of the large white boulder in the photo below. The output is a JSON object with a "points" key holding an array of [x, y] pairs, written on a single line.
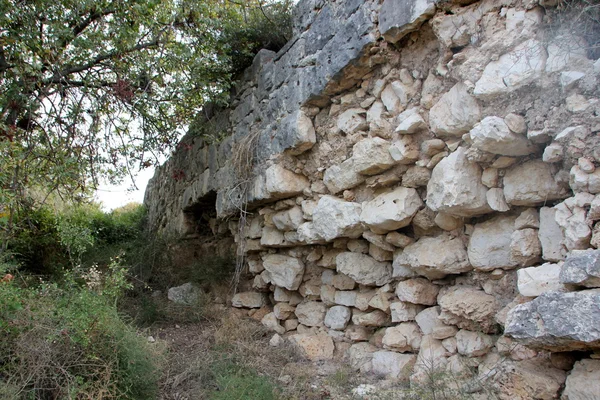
{"points": [[512, 70], [450, 257], [391, 210], [455, 187], [364, 269], [371, 156], [532, 183], [489, 246], [493, 136], [534, 281], [455, 113], [333, 218], [284, 271]]}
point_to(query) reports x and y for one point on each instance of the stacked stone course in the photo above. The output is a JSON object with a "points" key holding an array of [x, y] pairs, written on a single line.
{"points": [[425, 193]]}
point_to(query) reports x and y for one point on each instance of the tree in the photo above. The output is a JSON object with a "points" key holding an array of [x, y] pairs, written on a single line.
{"points": [[96, 88]]}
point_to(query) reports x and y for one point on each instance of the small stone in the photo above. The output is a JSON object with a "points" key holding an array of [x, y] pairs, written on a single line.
{"points": [[403, 311], [516, 123], [489, 177], [528, 219], [398, 239], [586, 165], [276, 340], [337, 317], [417, 291], [553, 153], [473, 344]]}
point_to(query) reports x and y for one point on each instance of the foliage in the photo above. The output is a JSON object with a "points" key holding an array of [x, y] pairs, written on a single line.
{"points": [[68, 341], [99, 88]]}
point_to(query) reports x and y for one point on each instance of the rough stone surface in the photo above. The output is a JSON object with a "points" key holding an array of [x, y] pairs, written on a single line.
{"points": [[551, 236], [335, 218], [403, 337], [392, 210], [314, 347], [455, 187], [311, 313], [450, 257], [371, 156], [391, 364], [455, 113], [473, 344], [493, 135], [557, 321], [532, 183], [489, 247], [403, 311], [248, 300], [398, 18], [337, 317], [284, 271], [583, 383], [582, 268], [534, 281], [185, 294], [417, 291], [364, 269], [468, 308]]}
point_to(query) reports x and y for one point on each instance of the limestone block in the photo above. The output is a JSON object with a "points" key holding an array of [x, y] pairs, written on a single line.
{"points": [[512, 70], [428, 319], [248, 300], [489, 246], [185, 294], [398, 18], [346, 297], [360, 356], [343, 282], [557, 321], [283, 311], [352, 120], [409, 122], [288, 220], [450, 257], [532, 183], [417, 291], [582, 268], [403, 311], [371, 156], [333, 218], [391, 364], [496, 200], [405, 337], [272, 323], [468, 308], [404, 150], [280, 182], [342, 176], [581, 181], [525, 247], [492, 135], [455, 113], [529, 218], [416, 177], [473, 344], [378, 240], [311, 313], [300, 133], [364, 269], [391, 210], [583, 383], [534, 281], [455, 187], [314, 347], [551, 236], [284, 271], [337, 317], [516, 123], [448, 222], [373, 318]]}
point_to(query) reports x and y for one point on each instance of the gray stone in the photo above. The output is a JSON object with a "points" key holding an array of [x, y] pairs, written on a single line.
{"points": [[342, 176], [551, 236], [186, 294], [397, 18], [557, 321], [337, 317], [468, 308], [371, 156], [582, 268], [473, 344], [391, 364], [248, 300]]}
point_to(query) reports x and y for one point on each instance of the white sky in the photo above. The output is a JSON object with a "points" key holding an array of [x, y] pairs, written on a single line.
{"points": [[114, 196]]}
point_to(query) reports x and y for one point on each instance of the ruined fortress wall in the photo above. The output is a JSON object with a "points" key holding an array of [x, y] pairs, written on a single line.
{"points": [[423, 191]]}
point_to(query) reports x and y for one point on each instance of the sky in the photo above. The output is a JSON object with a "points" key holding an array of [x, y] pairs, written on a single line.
{"points": [[114, 196]]}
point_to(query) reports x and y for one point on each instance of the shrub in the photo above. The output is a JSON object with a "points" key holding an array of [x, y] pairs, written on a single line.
{"points": [[68, 341]]}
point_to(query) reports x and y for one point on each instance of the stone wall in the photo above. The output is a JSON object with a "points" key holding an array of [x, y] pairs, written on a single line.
{"points": [[424, 192]]}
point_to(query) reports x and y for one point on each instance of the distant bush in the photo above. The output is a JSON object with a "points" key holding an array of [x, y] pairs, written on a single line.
{"points": [[67, 341]]}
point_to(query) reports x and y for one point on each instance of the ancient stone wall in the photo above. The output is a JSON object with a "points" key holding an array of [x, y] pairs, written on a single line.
{"points": [[424, 192]]}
